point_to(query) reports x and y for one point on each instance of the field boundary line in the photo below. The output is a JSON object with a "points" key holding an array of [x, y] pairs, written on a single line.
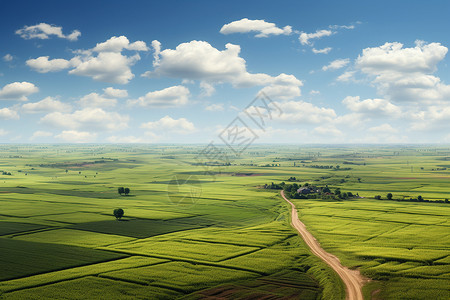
{"points": [[191, 261]]}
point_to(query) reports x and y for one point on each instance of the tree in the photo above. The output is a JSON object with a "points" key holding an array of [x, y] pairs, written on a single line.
{"points": [[118, 213], [378, 197], [389, 196], [121, 190], [420, 198], [126, 191]]}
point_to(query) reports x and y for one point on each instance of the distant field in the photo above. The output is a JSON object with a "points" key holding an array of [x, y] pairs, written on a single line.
{"points": [[219, 233]]}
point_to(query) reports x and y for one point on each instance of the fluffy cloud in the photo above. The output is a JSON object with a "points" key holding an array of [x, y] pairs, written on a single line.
{"points": [[322, 51], [392, 57], [346, 76], [306, 38], [105, 62], [48, 104], [43, 31], [3, 132], [283, 87], [117, 44], [44, 65], [96, 100], [215, 107], [434, 118], [261, 27], [167, 123], [18, 91], [112, 67], [336, 64], [73, 136], [8, 57], [87, 119], [115, 93], [281, 92], [156, 45], [198, 60], [169, 97], [304, 112], [404, 74], [374, 107], [7, 114], [207, 89]]}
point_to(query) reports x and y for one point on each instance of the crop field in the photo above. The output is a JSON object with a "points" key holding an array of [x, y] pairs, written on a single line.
{"points": [[190, 233]]}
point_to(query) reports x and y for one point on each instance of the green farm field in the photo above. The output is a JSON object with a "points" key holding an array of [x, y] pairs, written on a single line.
{"points": [[193, 231]]}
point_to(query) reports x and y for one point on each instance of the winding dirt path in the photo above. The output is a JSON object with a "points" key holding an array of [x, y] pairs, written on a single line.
{"points": [[352, 278]]}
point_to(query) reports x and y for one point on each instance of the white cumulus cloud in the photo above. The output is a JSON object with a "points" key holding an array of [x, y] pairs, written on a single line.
{"points": [[322, 51], [7, 114], [167, 123], [405, 74], [112, 67], [374, 107], [174, 96], [42, 64], [8, 57], [215, 107], [87, 119], [18, 91], [336, 64], [299, 112], [43, 31], [96, 100], [306, 38], [46, 105], [73, 136], [198, 60], [115, 93], [119, 43], [261, 27]]}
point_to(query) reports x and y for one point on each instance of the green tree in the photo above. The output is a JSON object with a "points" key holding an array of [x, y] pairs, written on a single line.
{"points": [[389, 196], [378, 197], [126, 191], [121, 190], [420, 198], [118, 213]]}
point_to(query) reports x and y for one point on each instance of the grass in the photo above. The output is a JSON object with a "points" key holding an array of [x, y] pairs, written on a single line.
{"points": [[75, 238], [170, 248], [13, 227], [23, 258], [183, 276], [77, 272], [93, 288], [137, 228]]}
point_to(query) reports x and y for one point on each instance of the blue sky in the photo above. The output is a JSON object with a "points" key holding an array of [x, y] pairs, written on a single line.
{"points": [[179, 71]]}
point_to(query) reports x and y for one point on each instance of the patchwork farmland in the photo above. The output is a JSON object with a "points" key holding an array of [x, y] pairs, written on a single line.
{"points": [[191, 234]]}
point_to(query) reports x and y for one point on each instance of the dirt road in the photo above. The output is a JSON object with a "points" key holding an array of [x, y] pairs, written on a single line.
{"points": [[352, 278]]}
